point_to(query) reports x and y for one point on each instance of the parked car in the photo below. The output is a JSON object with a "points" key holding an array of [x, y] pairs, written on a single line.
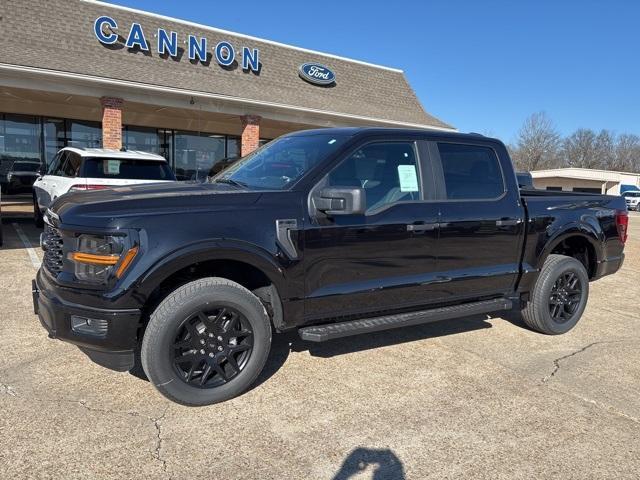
{"points": [[632, 199], [331, 233], [525, 180], [19, 176], [81, 169]]}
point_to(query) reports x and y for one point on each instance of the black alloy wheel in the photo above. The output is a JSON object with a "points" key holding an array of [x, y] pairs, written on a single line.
{"points": [[212, 347], [206, 342], [559, 296], [565, 297]]}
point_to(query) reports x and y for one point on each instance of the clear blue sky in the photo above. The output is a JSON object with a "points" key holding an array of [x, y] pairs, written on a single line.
{"points": [[480, 65]]}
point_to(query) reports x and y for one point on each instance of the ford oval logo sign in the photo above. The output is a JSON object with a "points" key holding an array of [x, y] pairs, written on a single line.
{"points": [[317, 74]]}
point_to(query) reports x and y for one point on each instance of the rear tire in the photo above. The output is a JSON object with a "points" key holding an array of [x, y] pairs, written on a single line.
{"points": [[37, 214], [559, 296], [206, 342]]}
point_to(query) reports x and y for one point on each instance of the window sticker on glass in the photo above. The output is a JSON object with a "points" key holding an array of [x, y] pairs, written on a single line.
{"points": [[408, 178], [113, 167]]}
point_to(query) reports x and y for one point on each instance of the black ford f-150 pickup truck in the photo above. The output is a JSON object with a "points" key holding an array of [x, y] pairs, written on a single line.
{"points": [[331, 232]]}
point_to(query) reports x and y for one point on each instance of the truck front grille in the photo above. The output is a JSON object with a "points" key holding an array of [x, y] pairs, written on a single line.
{"points": [[53, 255]]}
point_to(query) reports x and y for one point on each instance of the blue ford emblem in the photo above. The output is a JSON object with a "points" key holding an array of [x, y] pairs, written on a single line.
{"points": [[317, 74]]}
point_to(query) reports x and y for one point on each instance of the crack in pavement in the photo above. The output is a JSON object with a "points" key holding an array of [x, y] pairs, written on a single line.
{"points": [[602, 406], [157, 423], [556, 362], [599, 405]]}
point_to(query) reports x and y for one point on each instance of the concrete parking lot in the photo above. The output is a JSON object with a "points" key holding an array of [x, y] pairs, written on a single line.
{"points": [[473, 398]]}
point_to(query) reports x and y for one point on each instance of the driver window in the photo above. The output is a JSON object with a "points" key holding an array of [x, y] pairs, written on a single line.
{"points": [[387, 172], [57, 163], [71, 165]]}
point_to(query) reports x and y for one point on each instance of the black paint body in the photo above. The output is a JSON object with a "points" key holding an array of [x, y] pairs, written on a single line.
{"points": [[352, 265]]}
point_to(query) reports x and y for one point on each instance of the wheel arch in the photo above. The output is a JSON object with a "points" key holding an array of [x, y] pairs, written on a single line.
{"points": [[578, 240], [246, 264]]}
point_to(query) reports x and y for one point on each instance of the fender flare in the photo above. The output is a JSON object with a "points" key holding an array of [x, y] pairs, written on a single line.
{"points": [[587, 230], [217, 249]]}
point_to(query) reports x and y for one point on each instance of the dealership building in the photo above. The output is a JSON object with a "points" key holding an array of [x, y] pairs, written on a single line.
{"points": [[587, 180], [90, 74]]}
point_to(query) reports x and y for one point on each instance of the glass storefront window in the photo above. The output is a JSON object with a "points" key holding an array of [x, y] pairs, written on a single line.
{"points": [[196, 153], [19, 140], [143, 139], [84, 134], [192, 155], [54, 137], [166, 147], [233, 147]]}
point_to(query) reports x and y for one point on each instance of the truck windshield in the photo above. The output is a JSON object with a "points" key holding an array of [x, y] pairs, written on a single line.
{"points": [[280, 163]]}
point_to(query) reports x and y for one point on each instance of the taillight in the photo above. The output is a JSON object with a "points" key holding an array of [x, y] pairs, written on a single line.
{"points": [[622, 222], [81, 186]]}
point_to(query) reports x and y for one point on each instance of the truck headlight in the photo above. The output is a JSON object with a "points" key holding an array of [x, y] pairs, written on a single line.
{"points": [[99, 258]]}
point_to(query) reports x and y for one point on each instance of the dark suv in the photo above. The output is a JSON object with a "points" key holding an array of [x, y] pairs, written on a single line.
{"points": [[330, 232]]}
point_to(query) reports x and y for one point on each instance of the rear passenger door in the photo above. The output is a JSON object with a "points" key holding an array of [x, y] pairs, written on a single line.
{"points": [[481, 219]]}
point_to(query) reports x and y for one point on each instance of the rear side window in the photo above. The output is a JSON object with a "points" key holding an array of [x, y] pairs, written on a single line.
{"points": [[127, 169], [471, 172]]}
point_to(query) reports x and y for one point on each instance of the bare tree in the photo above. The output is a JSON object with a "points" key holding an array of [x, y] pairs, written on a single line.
{"points": [[579, 148], [627, 153], [605, 150], [538, 143]]}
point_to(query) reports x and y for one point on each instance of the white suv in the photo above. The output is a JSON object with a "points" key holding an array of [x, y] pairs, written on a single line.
{"points": [[74, 169], [632, 198]]}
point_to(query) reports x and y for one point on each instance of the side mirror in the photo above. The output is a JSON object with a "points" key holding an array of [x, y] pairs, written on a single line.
{"points": [[342, 201]]}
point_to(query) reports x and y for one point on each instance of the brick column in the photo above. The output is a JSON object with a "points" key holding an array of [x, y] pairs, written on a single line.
{"points": [[111, 122], [250, 134]]}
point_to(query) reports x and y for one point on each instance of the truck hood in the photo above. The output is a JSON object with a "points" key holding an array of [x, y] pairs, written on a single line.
{"points": [[115, 207]]}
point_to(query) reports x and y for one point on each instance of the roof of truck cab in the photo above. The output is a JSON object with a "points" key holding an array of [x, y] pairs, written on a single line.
{"points": [[115, 154], [353, 131]]}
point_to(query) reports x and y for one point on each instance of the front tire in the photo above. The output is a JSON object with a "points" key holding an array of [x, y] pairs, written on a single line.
{"points": [[559, 296], [206, 342]]}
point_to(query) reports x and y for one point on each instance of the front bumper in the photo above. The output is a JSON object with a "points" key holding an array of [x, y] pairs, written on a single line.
{"points": [[112, 348]]}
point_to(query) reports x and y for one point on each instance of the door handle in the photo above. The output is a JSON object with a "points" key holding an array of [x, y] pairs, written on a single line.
{"points": [[508, 222], [421, 227]]}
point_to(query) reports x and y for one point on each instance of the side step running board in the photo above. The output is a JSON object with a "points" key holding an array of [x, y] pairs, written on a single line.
{"points": [[321, 333]]}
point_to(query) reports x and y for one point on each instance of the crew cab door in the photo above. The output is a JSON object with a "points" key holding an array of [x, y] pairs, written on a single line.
{"points": [[481, 219], [382, 257]]}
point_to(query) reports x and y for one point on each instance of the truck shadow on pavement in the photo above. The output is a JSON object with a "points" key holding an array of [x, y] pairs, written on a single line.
{"points": [[386, 465], [285, 343]]}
